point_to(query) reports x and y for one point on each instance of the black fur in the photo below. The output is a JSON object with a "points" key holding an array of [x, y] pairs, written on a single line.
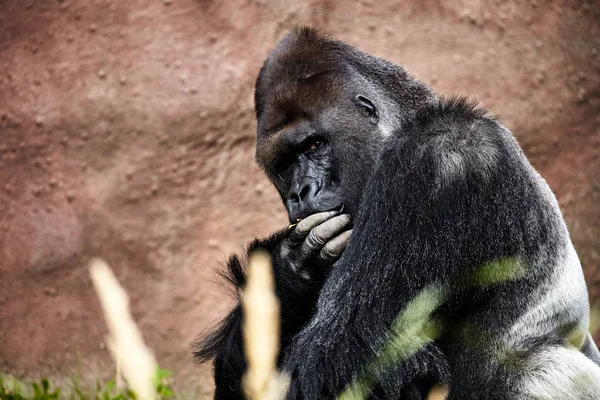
{"points": [[439, 191]]}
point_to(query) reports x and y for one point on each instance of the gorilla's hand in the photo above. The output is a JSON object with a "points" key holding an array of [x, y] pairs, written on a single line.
{"points": [[316, 242]]}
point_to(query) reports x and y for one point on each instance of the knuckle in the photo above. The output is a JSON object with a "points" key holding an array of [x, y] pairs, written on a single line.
{"points": [[302, 228], [316, 237], [331, 251], [336, 248], [339, 246], [328, 254]]}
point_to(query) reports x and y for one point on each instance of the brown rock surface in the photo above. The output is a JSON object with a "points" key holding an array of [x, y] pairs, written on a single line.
{"points": [[127, 132]]}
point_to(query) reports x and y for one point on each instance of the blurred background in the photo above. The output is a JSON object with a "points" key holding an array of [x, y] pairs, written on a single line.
{"points": [[127, 132]]}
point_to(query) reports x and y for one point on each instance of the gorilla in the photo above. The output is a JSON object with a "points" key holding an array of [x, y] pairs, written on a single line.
{"points": [[400, 192]]}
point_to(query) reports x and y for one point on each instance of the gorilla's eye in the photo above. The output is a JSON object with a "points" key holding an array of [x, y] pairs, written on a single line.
{"points": [[367, 108], [315, 145], [312, 145]]}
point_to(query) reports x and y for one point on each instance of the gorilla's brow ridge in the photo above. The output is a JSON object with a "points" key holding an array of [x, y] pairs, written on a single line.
{"points": [[269, 147]]}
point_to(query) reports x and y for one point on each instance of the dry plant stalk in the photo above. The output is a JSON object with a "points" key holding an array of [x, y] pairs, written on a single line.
{"points": [[125, 341], [261, 332], [439, 392]]}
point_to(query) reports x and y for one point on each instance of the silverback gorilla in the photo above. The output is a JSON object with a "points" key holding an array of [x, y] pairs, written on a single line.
{"points": [[400, 191]]}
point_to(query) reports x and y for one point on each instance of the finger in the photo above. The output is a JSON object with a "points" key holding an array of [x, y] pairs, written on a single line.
{"points": [[334, 248], [308, 223], [320, 235]]}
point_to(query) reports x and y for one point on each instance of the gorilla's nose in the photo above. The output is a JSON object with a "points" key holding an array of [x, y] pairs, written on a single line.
{"points": [[305, 192], [300, 201]]}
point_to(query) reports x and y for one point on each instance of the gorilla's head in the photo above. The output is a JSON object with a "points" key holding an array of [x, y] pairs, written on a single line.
{"points": [[324, 110]]}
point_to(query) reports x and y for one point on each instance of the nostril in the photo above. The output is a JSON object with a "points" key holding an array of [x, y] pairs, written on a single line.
{"points": [[304, 191], [308, 190]]}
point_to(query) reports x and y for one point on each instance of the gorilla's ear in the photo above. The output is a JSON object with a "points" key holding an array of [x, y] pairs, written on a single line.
{"points": [[367, 108]]}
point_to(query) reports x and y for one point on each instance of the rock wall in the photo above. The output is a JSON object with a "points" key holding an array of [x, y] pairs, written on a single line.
{"points": [[127, 132]]}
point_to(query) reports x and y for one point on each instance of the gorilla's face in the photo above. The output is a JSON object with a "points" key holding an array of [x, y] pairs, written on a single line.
{"points": [[308, 174], [319, 146]]}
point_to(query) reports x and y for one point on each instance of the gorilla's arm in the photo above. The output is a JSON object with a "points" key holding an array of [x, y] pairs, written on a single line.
{"points": [[452, 191], [301, 258], [225, 343]]}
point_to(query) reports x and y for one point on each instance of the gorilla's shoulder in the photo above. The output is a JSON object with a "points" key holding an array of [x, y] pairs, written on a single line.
{"points": [[456, 137], [454, 115]]}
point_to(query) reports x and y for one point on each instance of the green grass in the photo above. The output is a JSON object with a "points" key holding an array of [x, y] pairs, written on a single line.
{"points": [[14, 389]]}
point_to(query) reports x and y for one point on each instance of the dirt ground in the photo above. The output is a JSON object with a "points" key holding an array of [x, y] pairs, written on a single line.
{"points": [[127, 132]]}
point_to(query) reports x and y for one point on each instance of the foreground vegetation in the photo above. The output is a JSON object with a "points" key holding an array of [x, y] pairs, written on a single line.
{"points": [[13, 389]]}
